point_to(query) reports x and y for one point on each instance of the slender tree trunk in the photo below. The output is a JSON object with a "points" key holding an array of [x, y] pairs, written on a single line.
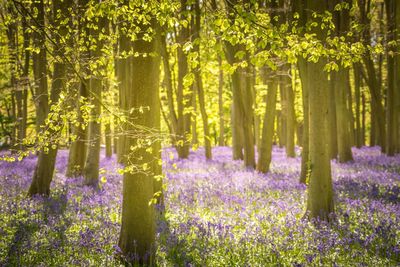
{"points": [[45, 166], [78, 149], [184, 92], [363, 115], [242, 100], [332, 125], [357, 96], [341, 81], [137, 236], [236, 114], [221, 140], [265, 152], [396, 94], [290, 114], [303, 72], [391, 100], [16, 94], [283, 114], [374, 84], [91, 170]]}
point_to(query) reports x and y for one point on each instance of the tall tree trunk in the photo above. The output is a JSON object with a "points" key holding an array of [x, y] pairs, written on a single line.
{"points": [[320, 193], [391, 100], [341, 81], [242, 100], [221, 139], [45, 166], [332, 125], [137, 236], [373, 80], [357, 96], [78, 149], [303, 72], [265, 152], [184, 92], [290, 113], [12, 35], [282, 114], [363, 115], [236, 115], [396, 95], [91, 170]]}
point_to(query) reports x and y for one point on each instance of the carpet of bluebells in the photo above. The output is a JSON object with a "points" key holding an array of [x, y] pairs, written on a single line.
{"points": [[217, 214]]}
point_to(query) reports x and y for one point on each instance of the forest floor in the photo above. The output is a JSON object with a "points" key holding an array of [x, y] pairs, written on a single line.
{"points": [[217, 214]]}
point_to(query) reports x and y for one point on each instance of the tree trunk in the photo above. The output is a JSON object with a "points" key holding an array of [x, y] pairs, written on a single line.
{"points": [[283, 114], [290, 113], [341, 81], [45, 166], [332, 125], [184, 92], [396, 95], [91, 170], [137, 236], [320, 193], [78, 149], [391, 100], [303, 72], [357, 96], [108, 139], [374, 84], [221, 139], [265, 151]]}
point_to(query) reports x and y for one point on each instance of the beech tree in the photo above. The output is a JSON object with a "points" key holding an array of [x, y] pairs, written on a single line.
{"points": [[320, 193], [137, 236], [44, 170]]}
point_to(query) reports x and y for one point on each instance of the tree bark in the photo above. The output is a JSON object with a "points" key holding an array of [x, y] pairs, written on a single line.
{"points": [[137, 236], [357, 96], [184, 92], [341, 81], [332, 125], [391, 61], [221, 139], [303, 72], [290, 113], [320, 193], [45, 166], [265, 152], [91, 170], [78, 149]]}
